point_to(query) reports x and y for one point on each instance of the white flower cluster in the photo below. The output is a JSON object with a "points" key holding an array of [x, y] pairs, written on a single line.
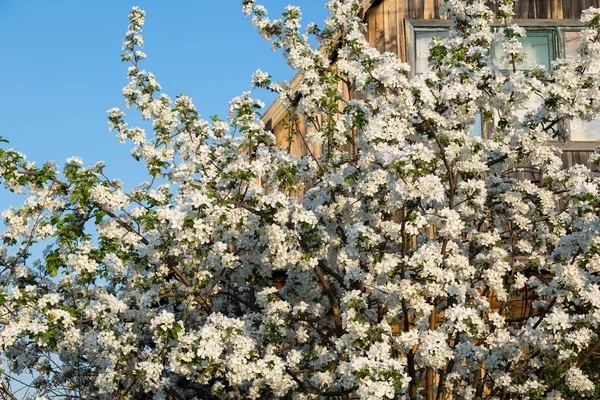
{"points": [[112, 199]]}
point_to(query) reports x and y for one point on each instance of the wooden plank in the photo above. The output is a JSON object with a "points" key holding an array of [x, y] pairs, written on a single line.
{"points": [[542, 9], [298, 148], [428, 22], [371, 27], [543, 23], [568, 159], [586, 155], [429, 9], [409, 36], [539, 23], [280, 133], [522, 9], [563, 156], [577, 146], [569, 8], [380, 38], [385, 18], [571, 158], [576, 157], [557, 9], [531, 9], [400, 29], [390, 16], [374, 26], [415, 9], [580, 5], [583, 158], [588, 3]]}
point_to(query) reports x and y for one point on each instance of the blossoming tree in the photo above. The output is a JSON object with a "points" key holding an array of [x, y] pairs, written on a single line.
{"points": [[404, 247]]}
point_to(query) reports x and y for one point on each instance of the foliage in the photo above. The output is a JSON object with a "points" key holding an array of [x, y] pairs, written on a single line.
{"points": [[414, 268]]}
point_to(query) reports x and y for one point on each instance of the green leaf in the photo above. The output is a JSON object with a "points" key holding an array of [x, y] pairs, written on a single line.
{"points": [[53, 263], [175, 330]]}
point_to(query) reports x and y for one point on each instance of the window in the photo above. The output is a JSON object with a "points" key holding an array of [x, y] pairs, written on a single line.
{"points": [[418, 54], [542, 45], [422, 40], [581, 130], [546, 40], [538, 49]]}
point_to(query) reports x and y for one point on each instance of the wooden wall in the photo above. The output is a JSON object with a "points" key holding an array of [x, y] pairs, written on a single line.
{"points": [[552, 9], [579, 157], [386, 18], [296, 143]]}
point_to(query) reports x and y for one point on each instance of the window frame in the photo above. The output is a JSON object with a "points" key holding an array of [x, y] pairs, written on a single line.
{"points": [[415, 26], [555, 26], [556, 29], [549, 33], [573, 145]]}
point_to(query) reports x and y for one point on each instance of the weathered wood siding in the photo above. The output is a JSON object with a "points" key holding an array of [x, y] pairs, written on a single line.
{"points": [[297, 143], [577, 157], [552, 9]]}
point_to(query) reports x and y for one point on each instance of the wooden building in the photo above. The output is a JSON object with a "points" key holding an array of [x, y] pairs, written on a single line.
{"points": [[406, 27]]}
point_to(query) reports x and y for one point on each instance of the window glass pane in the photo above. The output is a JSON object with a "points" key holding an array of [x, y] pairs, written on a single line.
{"points": [[585, 130], [536, 51], [532, 103], [571, 40], [477, 128], [422, 41], [580, 130]]}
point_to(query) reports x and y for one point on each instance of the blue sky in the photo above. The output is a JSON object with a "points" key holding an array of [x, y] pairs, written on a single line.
{"points": [[61, 69]]}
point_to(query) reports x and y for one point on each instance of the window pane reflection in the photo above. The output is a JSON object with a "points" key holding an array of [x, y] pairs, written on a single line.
{"points": [[422, 41], [536, 51], [580, 130], [571, 40], [585, 130], [477, 126]]}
